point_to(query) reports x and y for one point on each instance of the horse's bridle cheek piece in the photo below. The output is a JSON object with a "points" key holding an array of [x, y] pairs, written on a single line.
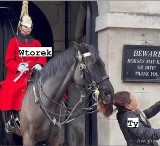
{"points": [[93, 85]]}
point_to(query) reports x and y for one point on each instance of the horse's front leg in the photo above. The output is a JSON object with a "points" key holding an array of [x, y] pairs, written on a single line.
{"points": [[28, 140], [56, 139]]}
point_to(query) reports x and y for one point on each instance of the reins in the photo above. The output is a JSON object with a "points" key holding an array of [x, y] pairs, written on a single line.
{"points": [[91, 87]]}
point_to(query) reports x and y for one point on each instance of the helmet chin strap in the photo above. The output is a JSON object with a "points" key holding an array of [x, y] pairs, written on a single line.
{"points": [[24, 32]]}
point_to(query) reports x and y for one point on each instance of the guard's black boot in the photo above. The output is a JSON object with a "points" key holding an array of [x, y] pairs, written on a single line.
{"points": [[10, 126]]}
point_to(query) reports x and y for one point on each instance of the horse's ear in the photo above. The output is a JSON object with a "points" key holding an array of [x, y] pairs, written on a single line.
{"points": [[80, 47], [93, 49], [84, 44], [74, 43], [75, 46]]}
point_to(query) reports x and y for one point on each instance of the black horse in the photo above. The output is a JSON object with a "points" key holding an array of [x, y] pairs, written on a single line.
{"points": [[42, 103]]}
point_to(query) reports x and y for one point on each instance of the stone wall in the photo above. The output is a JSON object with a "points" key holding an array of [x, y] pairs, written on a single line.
{"points": [[54, 12], [120, 23]]}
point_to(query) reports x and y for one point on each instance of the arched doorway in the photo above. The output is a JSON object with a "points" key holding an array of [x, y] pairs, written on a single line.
{"points": [[91, 137]]}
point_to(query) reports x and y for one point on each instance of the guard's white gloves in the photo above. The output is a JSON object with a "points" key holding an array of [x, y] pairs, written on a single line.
{"points": [[37, 67], [23, 67]]}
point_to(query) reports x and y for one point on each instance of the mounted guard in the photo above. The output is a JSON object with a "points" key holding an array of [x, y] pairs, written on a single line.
{"points": [[19, 68]]}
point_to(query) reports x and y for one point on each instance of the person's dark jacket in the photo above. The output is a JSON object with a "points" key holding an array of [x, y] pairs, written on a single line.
{"points": [[142, 135]]}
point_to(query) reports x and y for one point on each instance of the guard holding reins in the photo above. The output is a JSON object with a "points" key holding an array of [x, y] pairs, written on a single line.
{"points": [[18, 68]]}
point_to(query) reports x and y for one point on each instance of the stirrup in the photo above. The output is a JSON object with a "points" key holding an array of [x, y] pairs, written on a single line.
{"points": [[17, 122], [9, 128]]}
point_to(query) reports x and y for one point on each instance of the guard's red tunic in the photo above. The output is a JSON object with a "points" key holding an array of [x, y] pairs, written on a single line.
{"points": [[11, 93]]}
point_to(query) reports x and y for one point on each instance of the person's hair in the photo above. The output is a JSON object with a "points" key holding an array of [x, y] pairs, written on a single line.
{"points": [[107, 108], [121, 99]]}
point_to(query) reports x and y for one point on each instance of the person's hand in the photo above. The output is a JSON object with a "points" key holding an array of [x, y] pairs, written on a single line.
{"points": [[25, 63], [22, 67], [37, 67]]}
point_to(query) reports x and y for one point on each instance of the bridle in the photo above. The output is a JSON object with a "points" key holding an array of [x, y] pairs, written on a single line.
{"points": [[91, 87]]}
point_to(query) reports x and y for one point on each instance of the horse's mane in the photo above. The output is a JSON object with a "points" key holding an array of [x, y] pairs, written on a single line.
{"points": [[64, 59]]}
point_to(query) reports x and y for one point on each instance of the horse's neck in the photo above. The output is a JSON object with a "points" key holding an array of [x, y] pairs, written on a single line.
{"points": [[56, 85]]}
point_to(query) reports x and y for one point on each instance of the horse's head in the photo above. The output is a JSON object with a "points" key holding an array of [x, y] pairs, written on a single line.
{"points": [[90, 73]]}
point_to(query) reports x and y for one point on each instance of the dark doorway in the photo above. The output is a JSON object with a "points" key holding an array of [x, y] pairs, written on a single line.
{"points": [[91, 137], [75, 132], [6, 33]]}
